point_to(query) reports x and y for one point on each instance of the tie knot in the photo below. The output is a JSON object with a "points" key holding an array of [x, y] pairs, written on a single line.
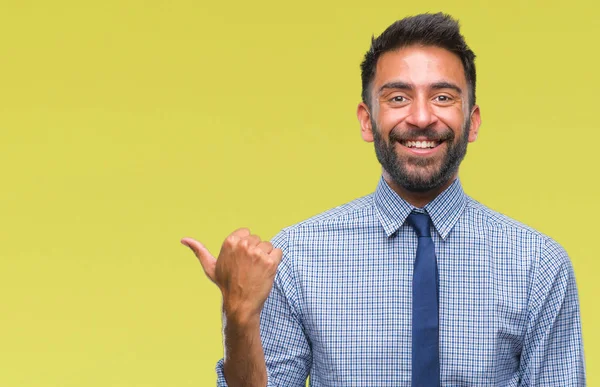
{"points": [[420, 222]]}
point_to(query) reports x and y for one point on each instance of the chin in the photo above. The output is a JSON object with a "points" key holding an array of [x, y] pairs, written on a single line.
{"points": [[421, 182], [421, 187]]}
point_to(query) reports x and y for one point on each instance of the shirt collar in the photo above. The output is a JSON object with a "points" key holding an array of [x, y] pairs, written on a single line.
{"points": [[444, 210]]}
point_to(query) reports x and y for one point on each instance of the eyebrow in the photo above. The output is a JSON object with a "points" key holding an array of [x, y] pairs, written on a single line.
{"points": [[408, 86], [396, 85], [446, 85]]}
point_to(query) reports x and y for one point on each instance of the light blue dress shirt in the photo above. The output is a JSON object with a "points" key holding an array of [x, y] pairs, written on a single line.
{"points": [[340, 308]]}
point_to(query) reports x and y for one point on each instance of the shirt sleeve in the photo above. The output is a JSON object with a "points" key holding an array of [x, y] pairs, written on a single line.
{"points": [[285, 344], [552, 352]]}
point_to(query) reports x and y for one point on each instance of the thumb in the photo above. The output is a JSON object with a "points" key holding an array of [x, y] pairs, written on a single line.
{"points": [[206, 259]]}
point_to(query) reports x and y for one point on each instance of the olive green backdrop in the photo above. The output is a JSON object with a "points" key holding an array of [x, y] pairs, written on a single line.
{"points": [[126, 125]]}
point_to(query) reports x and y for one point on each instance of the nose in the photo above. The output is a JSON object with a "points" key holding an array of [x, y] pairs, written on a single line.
{"points": [[421, 114]]}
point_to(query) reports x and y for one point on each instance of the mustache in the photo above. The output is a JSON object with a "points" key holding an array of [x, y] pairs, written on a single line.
{"points": [[428, 133]]}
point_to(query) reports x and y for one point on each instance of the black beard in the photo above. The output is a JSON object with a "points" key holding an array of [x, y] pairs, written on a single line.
{"points": [[428, 179]]}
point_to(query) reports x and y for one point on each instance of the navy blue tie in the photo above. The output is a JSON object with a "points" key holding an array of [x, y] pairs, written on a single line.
{"points": [[425, 326]]}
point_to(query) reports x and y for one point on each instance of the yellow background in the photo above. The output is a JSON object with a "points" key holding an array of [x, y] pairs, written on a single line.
{"points": [[126, 125]]}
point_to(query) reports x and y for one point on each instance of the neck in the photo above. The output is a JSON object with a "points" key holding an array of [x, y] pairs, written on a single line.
{"points": [[417, 199]]}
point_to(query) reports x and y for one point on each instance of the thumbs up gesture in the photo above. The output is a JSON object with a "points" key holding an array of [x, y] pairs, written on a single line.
{"points": [[244, 272]]}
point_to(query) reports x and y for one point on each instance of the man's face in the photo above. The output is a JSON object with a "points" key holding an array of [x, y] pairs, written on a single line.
{"points": [[419, 121]]}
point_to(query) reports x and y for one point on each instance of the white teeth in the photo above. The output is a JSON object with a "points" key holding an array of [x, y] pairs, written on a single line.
{"points": [[420, 144]]}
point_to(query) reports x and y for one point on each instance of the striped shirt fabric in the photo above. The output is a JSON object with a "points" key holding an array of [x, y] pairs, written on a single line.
{"points": [[340, 308]]}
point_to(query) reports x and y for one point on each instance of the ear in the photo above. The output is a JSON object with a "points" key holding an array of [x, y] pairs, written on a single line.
{"points": [[475, 123], [364, 118]]}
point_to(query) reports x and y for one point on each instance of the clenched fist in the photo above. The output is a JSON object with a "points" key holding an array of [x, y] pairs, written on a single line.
{"points": [[244, 272]]}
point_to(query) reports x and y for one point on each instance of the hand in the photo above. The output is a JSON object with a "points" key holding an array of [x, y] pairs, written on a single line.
{"points": [[244, 272]]}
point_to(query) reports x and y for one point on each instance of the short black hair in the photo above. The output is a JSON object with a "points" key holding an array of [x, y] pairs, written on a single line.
{"points": [[438, 29]]}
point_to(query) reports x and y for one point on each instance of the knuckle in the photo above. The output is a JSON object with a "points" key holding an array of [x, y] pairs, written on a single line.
{"points": [[254, 239], [242, 231], [257, 252], [277, 253], [273, 265], [231, 240]]}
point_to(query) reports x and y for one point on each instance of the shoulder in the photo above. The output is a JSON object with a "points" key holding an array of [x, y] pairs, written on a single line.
{"points": [[302, 239], [513, 233], [356, 213], [480, 213]]}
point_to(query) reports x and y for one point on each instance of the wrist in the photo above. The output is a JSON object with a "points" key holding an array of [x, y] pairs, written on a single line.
{"points": [[239, 317]]}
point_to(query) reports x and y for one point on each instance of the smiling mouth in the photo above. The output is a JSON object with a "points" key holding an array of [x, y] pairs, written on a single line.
{"points": [[420, 144]]}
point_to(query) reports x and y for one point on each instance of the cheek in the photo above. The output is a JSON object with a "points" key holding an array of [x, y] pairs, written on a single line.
{"points": [[454, 119], [389, 119]]}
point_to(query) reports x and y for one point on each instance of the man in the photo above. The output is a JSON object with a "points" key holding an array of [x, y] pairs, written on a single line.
{"points": [[416, 284]]}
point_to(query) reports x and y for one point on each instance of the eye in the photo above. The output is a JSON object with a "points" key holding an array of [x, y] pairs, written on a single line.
{"points": [[398, 98], [443, 98]]}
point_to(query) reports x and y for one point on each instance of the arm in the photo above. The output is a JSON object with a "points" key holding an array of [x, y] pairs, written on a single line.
{"points": [[260, 310], [244, 273], [287, 351], [244, 356], [552, 352]]}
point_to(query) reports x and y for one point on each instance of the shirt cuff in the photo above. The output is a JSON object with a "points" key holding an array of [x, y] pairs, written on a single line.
{"points": [[221, 382], [220, 375]]}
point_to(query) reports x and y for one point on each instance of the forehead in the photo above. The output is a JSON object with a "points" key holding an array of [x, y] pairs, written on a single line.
{"points": [[420, 66]]}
